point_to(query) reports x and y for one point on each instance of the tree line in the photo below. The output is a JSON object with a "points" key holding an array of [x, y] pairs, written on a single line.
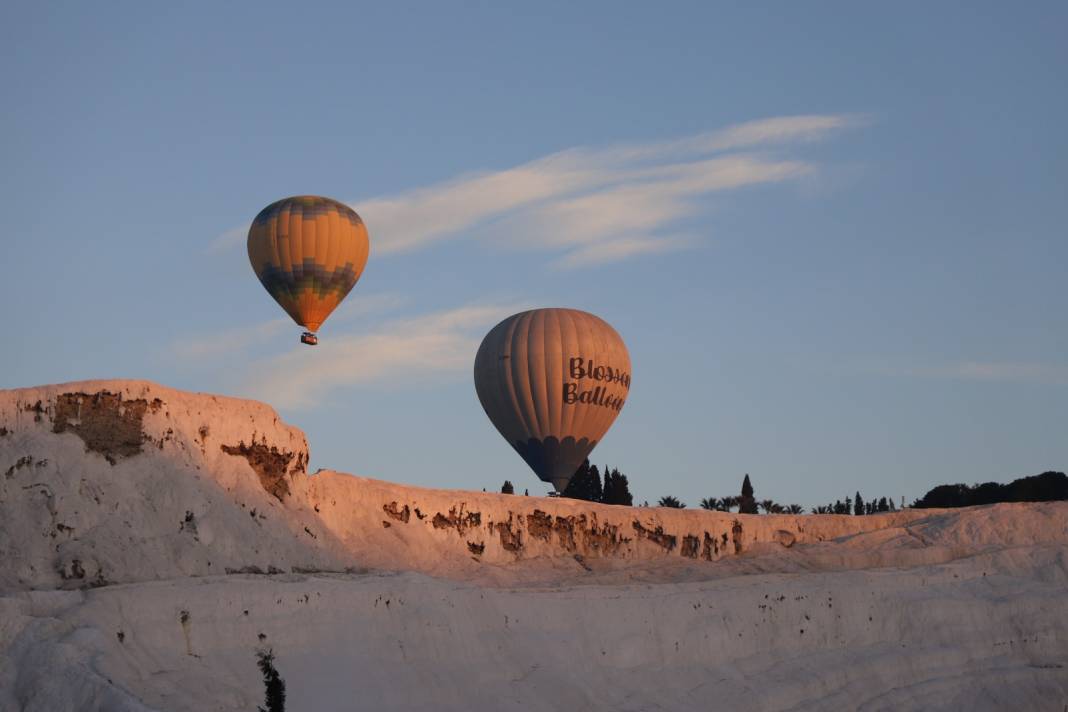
{"points": [[612, 487], [747, 503], [587, 484], [1047, 487]]}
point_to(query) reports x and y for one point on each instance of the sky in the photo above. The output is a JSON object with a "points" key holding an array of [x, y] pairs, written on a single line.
{"points": [[832, 235]]}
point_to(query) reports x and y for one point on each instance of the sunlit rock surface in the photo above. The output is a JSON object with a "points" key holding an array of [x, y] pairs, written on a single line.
{"points": [[152, 540]]}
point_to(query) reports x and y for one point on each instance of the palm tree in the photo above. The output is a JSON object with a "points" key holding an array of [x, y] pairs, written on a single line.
{"points": [[767, 505], [795, 509], [669, 501], [710, 503], [727, 503]]}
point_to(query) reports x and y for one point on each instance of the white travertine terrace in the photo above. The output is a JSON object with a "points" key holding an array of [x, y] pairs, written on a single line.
{"points": [[149, 537]]}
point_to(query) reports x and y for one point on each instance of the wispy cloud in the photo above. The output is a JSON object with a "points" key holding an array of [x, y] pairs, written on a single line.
{"points": [[395, 354], [626, 199], [1042, 373], [991, 371], [244, 338], [229, 239], [622, 248], [234, 340]]}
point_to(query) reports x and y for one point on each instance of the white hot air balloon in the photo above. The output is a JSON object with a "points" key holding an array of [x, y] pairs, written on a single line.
{"points": [[552, 381]]}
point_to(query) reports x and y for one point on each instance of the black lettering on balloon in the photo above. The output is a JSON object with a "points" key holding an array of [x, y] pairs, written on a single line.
{"points": [[581, 368], [577, 371]]}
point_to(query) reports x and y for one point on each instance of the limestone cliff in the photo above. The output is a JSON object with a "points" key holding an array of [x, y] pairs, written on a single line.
{"points": [[122, 481], [202, 509]]}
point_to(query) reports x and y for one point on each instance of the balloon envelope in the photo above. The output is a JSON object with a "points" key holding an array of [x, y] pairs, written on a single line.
{"points": [[552, 381], [308, 253]]}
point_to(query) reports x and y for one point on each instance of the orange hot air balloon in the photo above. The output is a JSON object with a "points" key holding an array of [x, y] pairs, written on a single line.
{"points": [[552, 381], [308, 253]]}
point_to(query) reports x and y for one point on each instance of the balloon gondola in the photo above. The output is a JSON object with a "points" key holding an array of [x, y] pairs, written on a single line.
{"points": [[308, 252]]}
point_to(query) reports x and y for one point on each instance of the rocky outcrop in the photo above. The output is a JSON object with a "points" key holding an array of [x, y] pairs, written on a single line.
{"points": [[119, 481], [204, 508], [270, 464]]}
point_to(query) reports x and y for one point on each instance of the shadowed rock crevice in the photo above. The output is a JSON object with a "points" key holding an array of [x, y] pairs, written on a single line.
{"points": [[656, 536], [511, 538], [106, 423], [736, 536], [457, 519], [601, 540], [393, 511], [540, 525], [269, 463], [576, 532], [710, 547]]}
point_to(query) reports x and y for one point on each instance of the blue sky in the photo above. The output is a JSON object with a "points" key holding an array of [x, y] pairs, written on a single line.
{"points": [[832, 236]]}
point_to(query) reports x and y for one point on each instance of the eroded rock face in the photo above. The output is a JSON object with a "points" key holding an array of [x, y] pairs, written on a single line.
{"points": [[395, 512], [736, 536], [181, 507], [106, 423], [575, 532], [457, 519], [511, 536], [710, 547], [540, 525], [655, 535], [138, 496], [269, 463], [785, 538]]}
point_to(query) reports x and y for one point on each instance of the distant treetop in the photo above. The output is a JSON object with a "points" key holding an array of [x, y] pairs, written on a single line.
{"points": [[1047, 487]]}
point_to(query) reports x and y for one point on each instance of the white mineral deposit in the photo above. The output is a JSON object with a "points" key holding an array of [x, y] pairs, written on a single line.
{"points": [[153, 541]]}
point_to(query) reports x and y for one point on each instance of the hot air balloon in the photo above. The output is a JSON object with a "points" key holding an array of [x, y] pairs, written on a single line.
{"points": [[552, 381], [308, 253]]}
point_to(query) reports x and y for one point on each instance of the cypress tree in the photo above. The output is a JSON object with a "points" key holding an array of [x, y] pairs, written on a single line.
{"points": [[275, 696], [585, 484], [746, 503], [617, 490]]}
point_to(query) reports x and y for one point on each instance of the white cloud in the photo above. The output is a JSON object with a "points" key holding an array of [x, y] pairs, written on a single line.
{"points": [[229, 239], [230, 341], [648, 205], [620, 249], [243, 338], [358, 305], [991, 371], [569, 200], [395, 354], [1040, 373]]}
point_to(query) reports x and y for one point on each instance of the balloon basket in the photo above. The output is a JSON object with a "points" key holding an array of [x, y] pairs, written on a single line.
{"points": [[309, 338]]}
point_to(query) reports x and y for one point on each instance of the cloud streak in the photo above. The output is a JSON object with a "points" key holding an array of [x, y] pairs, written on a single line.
{"points": [[626, 199], [990, 371], [243, 338], [1040, 373], [395, 354]]}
